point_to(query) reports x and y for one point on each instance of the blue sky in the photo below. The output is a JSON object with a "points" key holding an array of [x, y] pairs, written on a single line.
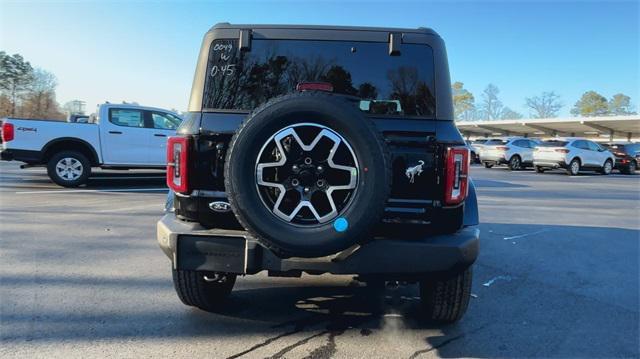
{"points": [[146, 51]]}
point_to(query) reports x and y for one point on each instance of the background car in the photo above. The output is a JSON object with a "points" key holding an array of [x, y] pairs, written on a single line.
{"points": [[516, 152], [573, 154], [473, 153], [477, 145], [627, 156]]}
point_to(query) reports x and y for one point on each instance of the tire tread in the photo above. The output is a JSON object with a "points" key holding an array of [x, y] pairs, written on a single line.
{"points": [[194, 291], [446, 300]]}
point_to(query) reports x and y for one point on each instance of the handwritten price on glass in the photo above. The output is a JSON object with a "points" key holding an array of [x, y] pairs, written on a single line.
{"points": [[225, 55], [223, 70]]}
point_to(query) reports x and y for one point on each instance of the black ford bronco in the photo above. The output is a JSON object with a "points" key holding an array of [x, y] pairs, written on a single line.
{"points": [[321, 149]]}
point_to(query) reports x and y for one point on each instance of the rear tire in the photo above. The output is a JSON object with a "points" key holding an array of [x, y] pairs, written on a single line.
{"points": [[488, 165], [69, 168], [631, 169], [515, 163], [194, 290], [574, 167], [446, 300], [539, 169]]}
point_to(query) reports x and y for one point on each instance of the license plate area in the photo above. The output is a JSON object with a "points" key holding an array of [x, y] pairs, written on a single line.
{"points": [[212, 253]]}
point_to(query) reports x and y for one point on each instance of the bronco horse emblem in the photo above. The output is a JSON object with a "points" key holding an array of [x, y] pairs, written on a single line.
{"points": [[413, 172]]}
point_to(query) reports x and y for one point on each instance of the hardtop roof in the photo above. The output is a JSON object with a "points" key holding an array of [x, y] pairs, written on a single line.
{"points": [[419, 30]]}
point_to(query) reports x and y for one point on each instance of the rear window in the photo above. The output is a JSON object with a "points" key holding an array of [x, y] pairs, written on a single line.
{"points": [[624, 147], [632, 148], [495, 142], [552, 144], [395, 85]]}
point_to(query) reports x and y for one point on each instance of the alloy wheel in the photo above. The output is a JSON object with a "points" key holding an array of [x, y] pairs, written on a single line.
{"points": [[575, 167], [69, 169], [306, 174], [515, 163]]}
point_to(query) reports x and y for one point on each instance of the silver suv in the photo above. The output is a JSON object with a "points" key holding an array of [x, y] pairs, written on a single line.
{"points": [[573, 155], [515, 152]]}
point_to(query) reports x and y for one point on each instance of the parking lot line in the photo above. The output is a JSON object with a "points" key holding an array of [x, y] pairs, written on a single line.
{"points": [[95, 190], [526, 234]]}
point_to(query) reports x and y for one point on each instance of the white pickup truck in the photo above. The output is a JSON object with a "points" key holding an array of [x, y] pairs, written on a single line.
{"points": [[119, 136]]}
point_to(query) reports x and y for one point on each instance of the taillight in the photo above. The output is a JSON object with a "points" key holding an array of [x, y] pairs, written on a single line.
{"points": [[562, 150], [177, 163], [456, 175], [502, 148], [8, 133]]}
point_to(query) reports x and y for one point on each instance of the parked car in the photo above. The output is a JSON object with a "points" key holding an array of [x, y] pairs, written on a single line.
{"points": [[627, 156], [474, 158], [120, 136], [75, 118], [573, 155], [477, 145], [315, 181], [515, 152]]}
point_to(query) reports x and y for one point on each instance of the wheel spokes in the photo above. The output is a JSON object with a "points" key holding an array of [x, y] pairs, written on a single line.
{"points": [[305, 200]]}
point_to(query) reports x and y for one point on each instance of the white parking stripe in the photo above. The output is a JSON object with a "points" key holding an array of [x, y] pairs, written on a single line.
{"points": [[526, 234], [96, 190]]}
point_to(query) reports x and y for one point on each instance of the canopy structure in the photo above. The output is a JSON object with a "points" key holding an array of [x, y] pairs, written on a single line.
{"points": [[611, 127]]}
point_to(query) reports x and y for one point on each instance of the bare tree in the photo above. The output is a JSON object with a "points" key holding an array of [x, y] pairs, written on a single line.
{"points": [[546, 105], [40, 100], [509, 114], [491, 107]]}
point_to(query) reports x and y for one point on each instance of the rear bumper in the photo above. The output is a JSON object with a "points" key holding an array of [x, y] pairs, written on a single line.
{"points": [[27, 156], [191, 247], [550, 164], [493, 158], [623, 163], [6, 155]]}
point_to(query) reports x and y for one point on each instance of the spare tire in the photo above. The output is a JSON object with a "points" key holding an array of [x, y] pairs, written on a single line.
{"points": [[308, 174]]}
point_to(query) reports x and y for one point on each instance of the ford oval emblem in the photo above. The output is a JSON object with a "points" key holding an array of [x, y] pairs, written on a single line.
{"points": [[220, 206]]}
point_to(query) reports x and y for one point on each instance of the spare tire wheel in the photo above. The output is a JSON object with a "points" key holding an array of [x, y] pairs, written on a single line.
{"points": [[308, 174]]}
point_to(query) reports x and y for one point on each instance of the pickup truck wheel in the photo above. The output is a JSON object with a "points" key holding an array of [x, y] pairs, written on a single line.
{"points": [[488, 165], [69, 168], [539, 169], [308, 175], [446, 300], [204, 290]]}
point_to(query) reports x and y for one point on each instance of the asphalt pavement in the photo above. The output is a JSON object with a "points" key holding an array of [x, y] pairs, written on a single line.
{"points": [[81, 275]]}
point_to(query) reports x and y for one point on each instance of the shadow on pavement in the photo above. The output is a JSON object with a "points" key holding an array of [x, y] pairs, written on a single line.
{"points": [[557, 296]]}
